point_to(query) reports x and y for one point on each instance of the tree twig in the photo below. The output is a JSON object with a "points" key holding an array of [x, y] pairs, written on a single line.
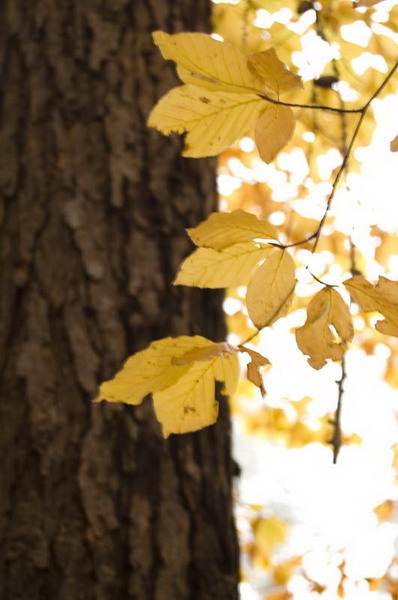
{"points": [[347, 155], [316, 235], [312, 106], [336, 440]]}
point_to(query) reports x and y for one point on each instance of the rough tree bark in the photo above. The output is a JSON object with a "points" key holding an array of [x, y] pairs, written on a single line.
{"points": [[94, 504]]}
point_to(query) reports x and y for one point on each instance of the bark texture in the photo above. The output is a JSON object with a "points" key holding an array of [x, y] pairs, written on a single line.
{"points": [[94, 504]]}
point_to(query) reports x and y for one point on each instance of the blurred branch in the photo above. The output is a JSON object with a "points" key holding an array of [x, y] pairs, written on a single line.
{"points": [[336, 440], [245, 25]]}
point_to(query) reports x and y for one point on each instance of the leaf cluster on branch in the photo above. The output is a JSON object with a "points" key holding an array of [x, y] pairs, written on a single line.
{"points": [[225, 96]]}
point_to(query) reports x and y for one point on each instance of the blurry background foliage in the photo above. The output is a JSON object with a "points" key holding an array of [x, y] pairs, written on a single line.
{"points": [[310, 529]]}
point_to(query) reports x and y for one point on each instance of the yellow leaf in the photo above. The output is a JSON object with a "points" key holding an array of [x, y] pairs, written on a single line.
{"points": [[206, 353], [221, 230], [267, 66], [385, 510], [149, 370], [382, 297], [394, 144], [283, 571], [253, 368], [191, 404], [269, 533], [274, 130], [213, 121], [315, 337], [270, 291], [208, 63], [208, 268]]}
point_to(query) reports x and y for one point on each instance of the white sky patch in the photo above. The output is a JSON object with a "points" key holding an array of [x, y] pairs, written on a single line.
{"points": [[282, 194], [382, 30], [239, 170], [314, 56], [393, 264], [309, 136], [226, 184], [347, 93], [232, 305], [247, 144], [277, 217], [264, 19], [366, 61], [313, 206], [305, 21], [246, 592], [282, 16], [376, 185], [371, 552], [357, 33], [295, 162], [328, 162]]}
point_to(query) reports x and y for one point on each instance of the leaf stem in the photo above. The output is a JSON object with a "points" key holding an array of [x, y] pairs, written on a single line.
{"points": [[336, 109]]}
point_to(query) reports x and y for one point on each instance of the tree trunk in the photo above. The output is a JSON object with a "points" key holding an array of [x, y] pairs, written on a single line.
{"points": [[94, 504]]}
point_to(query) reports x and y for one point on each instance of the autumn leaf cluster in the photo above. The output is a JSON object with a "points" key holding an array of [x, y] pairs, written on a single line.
{"points": [[226, 95]]}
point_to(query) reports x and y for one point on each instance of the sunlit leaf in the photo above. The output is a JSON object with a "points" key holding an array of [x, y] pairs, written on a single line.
{"points": [[273, 131], [221, 230], [208, 63], [382, 297], [212, 121], [191, 404], [149, 370], [206, 353], [266, 65], [257, 360], [270, 291], [209, 268], [316, 338], [180, 373]]}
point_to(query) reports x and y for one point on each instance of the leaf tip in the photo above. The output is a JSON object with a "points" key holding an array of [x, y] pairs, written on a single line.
{"points": [[158, 36]]}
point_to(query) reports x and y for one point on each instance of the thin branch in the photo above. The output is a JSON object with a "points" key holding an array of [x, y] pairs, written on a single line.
{"points": [[337, 179], [316, 235], [328, 285], [301, 242], [336, 440], [353, 264], [340, 110], [312, 106], [347, 155]]}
